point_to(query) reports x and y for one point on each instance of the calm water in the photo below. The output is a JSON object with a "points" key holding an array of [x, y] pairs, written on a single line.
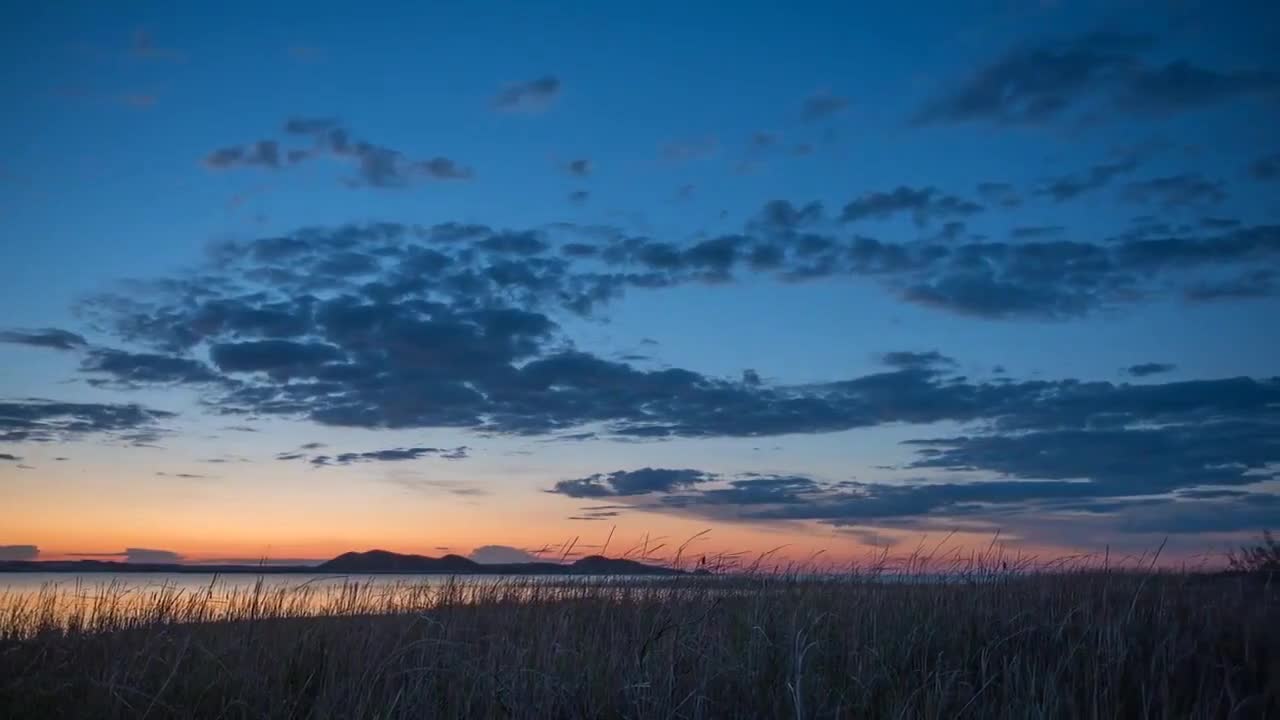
{"points": [[206, 596], [26, 583]]}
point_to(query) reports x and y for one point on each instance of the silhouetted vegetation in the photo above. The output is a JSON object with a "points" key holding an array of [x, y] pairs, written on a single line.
{"points": [[1263, 557], [1076, 643]]}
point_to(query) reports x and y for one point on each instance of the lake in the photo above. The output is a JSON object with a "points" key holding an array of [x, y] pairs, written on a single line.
{"points": [[100, 600]]}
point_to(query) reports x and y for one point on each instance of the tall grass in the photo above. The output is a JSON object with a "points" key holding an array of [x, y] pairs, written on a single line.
{"points": [[1082, 643]]}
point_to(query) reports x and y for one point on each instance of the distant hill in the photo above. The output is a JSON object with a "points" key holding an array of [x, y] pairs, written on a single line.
{"points": [[382, 561], [371, 562]]}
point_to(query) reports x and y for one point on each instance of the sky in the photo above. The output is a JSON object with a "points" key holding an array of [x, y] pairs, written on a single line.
{"points": [[490, 278]]}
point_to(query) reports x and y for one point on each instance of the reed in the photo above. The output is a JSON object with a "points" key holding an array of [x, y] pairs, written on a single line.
{"points": [[1071, 641]]}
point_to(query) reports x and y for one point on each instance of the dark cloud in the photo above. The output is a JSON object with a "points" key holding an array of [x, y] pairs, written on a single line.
{"points": [[263, 153], [1176, 191], [596, 515], [1067, 187], [451, 326], [1036, 232], [443, 168], [376, 165], [578, 197], [1266, 167], [1217, 223], [183, 475], [580, 167], [1180, 85], [823, 105], [389, 455], [1120, 461], [630, 482], [781, 220], [137, 555], [131, 369], [37, 420], [1247, 285], [281, 358], [1093, 76], [8, 457], [1027, 506], [501, 555], [533, 95], [46, 338], [22, 553], [924, 205], [310, 125], [999, 193], [1145, 369], [915, 360], [383, 167]]}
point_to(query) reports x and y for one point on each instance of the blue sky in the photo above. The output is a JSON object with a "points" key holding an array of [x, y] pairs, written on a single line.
{"points": [[694, 239]]}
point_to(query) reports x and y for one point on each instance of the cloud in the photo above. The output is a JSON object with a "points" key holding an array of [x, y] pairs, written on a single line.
{"points": [[376, 165], [52, 338], [1266, 167], [500, 555], [533, 95], [443, 168], [923, 204], [1247, 285], [1036, 232], [455, 325], [1093, 76], [595, 515], [1033, 508], [578, 197], [138, 555], [9, 457], [1068, 187], [388, 455], [263, 153], [21, 553], [147, 555], [1176, 191], [300, 125], [131, 369], [822, 105], [1146, 369], [906, 360], [581, 167], [634, 482], [39, 420], [1180, 85], [999, 193]]}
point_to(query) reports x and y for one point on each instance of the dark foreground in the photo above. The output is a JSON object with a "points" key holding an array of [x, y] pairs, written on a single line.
{"points": [[1081, 645]]}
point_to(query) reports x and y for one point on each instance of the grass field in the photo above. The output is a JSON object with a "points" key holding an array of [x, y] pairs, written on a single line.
{"points": [[1070, 644]]}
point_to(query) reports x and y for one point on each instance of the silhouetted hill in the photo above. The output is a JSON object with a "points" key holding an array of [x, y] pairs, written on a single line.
{"points": [[371, 562], [382, 561]]}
